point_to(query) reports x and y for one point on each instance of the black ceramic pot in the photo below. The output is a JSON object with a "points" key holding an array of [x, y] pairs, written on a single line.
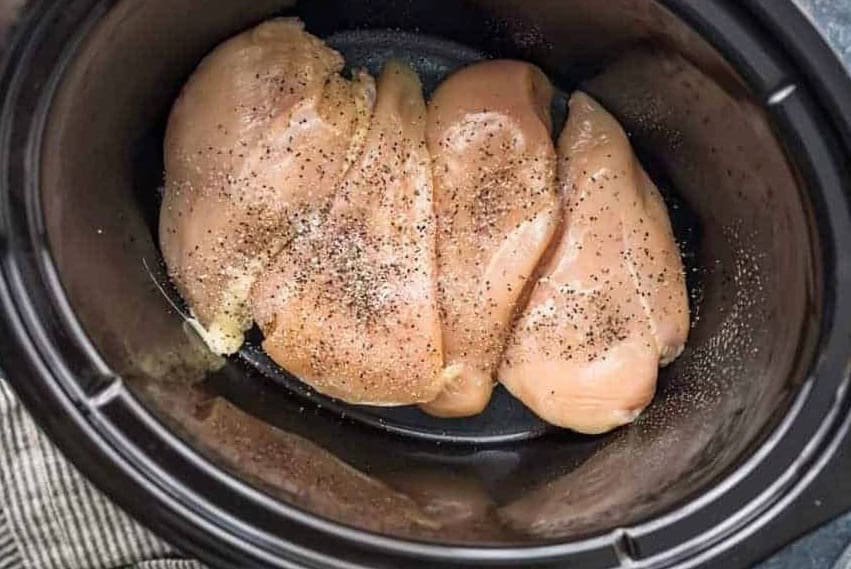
{"points": [[743, 117]]}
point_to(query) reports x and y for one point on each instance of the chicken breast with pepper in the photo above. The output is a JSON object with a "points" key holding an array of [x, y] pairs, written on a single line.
{"points": [[261, 135], [350, 305], [611, 304], [489, 133]]}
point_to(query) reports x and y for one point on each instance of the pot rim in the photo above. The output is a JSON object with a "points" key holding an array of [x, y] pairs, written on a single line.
{"points": [[90, 426]]}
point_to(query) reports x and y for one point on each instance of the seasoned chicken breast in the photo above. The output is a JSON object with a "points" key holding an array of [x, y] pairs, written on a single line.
{"points": [[261, 134], [611, 304], [350, 305], [489, 133]]}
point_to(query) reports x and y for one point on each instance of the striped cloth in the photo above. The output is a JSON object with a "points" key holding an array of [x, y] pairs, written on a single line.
{"points": [[52, 518]]}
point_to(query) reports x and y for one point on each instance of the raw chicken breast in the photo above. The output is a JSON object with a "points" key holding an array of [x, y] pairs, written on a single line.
{"points": [[611, 304], [350, 306], [262, 133], [489, 133]]}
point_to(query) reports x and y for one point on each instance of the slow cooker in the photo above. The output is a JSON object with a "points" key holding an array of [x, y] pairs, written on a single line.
{"points": [[738, 109]]}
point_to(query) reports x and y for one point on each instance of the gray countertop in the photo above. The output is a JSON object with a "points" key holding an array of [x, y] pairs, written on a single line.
{"points": [[833, 18], [822, 549]]}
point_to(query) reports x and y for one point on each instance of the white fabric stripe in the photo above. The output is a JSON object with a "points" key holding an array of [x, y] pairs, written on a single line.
{"points": [[5, 532], [125, 550], [9, 557], [43, 519], [107, 525], [91, 537], [11, 563], [97, 526], [170, 564], [9, 551], [100, 522], [154, 546], [18, 487], [76, 555], [8, 548], [7, 540], [142, 543], [64, 478], [46, 519], [147, 545]]}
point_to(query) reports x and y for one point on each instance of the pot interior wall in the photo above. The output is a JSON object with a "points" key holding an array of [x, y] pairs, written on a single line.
{"points": [[740, 213]]}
